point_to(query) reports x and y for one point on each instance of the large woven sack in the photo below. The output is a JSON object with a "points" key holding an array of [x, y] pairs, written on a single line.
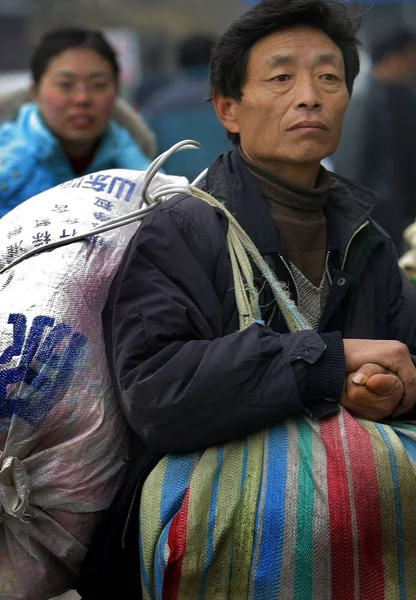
{"points": [[63, 439], [308, 510]]}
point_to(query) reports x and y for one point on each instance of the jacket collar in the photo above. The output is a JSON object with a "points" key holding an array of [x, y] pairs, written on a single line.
{"points": [[46, 145], [348, 206]]}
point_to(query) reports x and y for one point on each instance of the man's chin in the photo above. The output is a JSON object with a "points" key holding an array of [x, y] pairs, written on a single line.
{"points": [[311, 154]]}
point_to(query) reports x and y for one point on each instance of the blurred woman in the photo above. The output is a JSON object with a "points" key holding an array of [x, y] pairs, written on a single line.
{"points": [[67, 130]]}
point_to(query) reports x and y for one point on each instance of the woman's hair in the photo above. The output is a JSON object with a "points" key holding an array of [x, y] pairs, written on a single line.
{"points": [[53, 43], [229, 58]]}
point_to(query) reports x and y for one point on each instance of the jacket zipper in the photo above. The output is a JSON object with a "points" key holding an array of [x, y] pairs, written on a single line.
{"points": [[327, 268], [349, 243]]}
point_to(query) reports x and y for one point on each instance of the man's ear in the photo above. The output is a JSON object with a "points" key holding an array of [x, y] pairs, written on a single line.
{"points": [[33, 91], [227, 112]]}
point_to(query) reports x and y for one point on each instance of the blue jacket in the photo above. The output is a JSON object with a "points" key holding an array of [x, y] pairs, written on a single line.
{"points": [[31, 159]]}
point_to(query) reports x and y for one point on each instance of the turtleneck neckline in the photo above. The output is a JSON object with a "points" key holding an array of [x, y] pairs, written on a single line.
{"points": [[275, 187]]}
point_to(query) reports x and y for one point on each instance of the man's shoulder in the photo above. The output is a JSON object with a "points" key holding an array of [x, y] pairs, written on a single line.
{"points": [[192, 208], [188, 215]]}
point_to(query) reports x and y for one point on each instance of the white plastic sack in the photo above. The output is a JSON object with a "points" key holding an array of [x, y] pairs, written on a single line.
{"points": [[62, 436]]}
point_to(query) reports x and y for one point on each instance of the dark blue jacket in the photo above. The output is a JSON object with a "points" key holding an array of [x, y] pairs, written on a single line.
{"points": [[186, 377]]}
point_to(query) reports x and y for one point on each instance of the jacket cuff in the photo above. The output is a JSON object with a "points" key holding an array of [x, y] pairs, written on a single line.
{"points": [[326, 377]]}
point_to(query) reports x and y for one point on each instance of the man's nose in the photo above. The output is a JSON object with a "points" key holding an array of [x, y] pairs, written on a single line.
{"points": [[308, 93]]}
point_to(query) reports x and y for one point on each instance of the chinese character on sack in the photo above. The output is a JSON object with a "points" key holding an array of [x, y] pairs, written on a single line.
{"points": [[105, 204], [117, 184], [14, 232], [67, 235], [13, 250], [72, 183], [96, 182], [40, 239], [48, 356], [60, 208], [96, 239], [42, 223], [100, 216]]}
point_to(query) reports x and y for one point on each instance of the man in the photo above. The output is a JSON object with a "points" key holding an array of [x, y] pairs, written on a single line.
{"points": [[187, 379], [378, 144], [180, 110]]}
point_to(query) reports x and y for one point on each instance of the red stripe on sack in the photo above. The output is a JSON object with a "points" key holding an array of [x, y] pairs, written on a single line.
{"points": [[367, 509], [340, 525], [177, 545]]}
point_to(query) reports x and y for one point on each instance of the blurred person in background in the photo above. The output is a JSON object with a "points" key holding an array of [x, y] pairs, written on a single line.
{"points": [[67, 130], [378, 145], [156, 73], [180, 110]]}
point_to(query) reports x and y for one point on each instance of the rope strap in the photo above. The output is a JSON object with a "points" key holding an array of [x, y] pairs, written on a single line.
{"points": [[241, 250]]}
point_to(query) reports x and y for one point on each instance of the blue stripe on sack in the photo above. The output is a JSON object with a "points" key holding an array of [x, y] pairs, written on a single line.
{"points": [[175, 482], [269, 559], [409, 444], [211, 521], [160, 561], [398, 507], [259, 516]]}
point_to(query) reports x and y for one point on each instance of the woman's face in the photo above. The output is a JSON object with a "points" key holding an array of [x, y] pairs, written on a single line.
{"points": [[75, 96]]}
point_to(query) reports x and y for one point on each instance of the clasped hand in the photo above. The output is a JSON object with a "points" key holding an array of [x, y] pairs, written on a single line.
{"points": [[380, 379]]}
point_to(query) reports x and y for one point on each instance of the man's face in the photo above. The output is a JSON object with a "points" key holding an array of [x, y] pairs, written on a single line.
{"points": [[293, 99]]}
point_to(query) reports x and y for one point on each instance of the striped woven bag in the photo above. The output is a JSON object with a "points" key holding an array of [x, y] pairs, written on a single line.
{"points": [[305, 510]]}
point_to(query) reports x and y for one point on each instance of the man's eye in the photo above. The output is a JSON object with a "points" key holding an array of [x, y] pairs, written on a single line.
{"points": [[329, 77], [281, 78], [65, 85]]}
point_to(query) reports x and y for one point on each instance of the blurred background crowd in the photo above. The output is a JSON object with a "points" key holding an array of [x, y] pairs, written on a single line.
{"points": [[163, 49]]}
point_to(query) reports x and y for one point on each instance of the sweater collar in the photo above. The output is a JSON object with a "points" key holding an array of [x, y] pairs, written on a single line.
{"points": [[228, 179], [279, 190]]}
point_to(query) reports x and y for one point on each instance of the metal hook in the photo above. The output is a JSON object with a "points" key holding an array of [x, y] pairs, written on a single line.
{"points": [[159, 161]]}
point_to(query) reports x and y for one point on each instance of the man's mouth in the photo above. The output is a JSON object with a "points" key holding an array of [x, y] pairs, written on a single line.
{"points": [[309, 125]]}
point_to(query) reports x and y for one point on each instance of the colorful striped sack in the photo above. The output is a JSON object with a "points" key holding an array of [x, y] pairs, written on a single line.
{"points": [[305, 510]]}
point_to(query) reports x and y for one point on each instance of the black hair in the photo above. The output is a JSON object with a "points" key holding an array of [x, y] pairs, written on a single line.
{"points": [[398, 40], [229, 59], [53, 43], [195, 50]]}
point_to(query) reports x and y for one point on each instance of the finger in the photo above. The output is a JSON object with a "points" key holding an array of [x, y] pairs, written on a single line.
{"points": [[366, 371]]}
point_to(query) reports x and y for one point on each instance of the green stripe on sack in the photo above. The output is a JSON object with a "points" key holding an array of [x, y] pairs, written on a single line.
{"points": [[150, 514], [246, 519], [229, 494], [304, 538]]}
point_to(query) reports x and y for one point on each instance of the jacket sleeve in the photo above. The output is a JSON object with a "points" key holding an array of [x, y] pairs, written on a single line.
{"points": [[183, 384]]}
